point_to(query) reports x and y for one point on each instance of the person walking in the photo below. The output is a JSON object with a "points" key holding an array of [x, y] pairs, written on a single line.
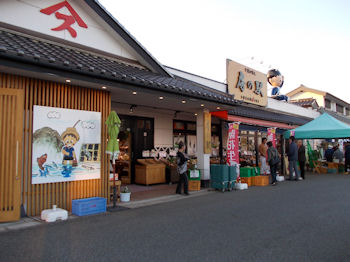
{"points": [[263, 153], [347, 157], [301, 158], [181, 160], [338, 155], [292, 159], [273, 160]]}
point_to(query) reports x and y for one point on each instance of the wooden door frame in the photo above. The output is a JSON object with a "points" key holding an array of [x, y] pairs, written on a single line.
{"points": [[15, 199]]}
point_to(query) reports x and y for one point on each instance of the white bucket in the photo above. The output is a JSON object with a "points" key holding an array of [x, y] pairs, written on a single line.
{"points": [[125, 197]]}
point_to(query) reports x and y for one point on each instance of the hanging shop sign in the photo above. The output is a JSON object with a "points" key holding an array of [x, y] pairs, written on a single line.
{"points": [[66, 145], [233, 144], [246, 84], [271, 135], [68, 20], [207, 132]]}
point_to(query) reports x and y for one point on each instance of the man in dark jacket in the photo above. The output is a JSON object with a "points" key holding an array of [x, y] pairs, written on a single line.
{"points": [[328, 154], [347, 157], [292, 159], [301, 158]]}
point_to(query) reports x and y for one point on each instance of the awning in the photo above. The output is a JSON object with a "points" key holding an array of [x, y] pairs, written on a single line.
{"points": [[251, 121]]}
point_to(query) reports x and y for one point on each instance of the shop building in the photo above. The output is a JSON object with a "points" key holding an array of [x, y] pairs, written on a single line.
{"points": [[75, 58]]}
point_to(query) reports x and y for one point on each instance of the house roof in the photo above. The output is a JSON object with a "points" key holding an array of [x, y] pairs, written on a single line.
{"points": [[33, 51], [303, 88], [306, 102]]}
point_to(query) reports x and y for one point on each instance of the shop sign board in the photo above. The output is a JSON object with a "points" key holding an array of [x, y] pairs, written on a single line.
{"points": [[66, 145], [68, 20], [233, 144], [271, 135], [246, 84], [207, 132]]}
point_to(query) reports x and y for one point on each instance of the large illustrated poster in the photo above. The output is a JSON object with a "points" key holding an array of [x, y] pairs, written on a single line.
{"points": [[66, 145]]}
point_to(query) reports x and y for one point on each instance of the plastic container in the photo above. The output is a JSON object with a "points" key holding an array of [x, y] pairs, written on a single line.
{"points": [[89, 206], [51, 215], [219, 177], [246, 171], [194, 174]]}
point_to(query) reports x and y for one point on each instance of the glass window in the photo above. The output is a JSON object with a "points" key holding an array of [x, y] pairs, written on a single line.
{"points": [[327, 103], [340, 109]]}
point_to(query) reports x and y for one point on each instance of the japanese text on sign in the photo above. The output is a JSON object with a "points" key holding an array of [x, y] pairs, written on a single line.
{"points": [[68, 19]]}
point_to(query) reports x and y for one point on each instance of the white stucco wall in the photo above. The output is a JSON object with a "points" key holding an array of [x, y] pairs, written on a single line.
{"points": [[26, 14], [288, 108], [198, 79]]}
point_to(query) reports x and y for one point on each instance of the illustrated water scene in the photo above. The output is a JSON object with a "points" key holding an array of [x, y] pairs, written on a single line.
{"points": [[66, 145]]}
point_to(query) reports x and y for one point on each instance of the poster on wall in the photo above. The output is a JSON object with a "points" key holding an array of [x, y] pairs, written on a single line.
{"points": [[191, 145], [233, 144], [271, 136], [66, 145]]}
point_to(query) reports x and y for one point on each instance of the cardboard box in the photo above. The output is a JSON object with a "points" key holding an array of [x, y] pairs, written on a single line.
{"points": [[260, 181]]}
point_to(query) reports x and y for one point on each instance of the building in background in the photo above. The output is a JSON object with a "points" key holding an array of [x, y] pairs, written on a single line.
{"points": [[321, 101]]}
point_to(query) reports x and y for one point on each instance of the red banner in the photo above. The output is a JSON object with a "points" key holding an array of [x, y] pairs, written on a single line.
{"points": [[233, 145], [271, 135]]}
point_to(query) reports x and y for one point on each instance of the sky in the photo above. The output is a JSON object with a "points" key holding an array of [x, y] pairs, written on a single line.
{"points": [[308, 41]]}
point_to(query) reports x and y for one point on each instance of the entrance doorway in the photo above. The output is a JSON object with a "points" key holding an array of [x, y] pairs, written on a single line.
{"points": [[11, 131], [141, 132]]}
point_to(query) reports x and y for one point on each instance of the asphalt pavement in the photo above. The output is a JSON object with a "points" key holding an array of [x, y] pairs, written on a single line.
{"points": [[294, 221]]}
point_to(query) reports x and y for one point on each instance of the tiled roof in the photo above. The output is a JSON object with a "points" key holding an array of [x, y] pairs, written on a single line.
{"points": [[307, 102], [342, 118], [263, 114], [23, 48]]}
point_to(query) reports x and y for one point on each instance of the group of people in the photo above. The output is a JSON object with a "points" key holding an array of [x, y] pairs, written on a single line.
{"points": [[270, 159]]}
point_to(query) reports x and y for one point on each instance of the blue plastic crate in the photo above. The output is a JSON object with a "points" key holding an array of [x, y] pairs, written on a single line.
{"points": [[89, 206]]}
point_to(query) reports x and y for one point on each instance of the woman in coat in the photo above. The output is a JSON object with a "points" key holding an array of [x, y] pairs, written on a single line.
{"points": [[272, 157]]}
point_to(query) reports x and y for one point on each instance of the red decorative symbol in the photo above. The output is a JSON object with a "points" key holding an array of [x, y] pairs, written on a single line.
{"points": [[68, 19]]}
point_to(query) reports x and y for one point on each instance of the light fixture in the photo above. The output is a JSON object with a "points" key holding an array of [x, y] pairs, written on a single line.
{"points": [[183, 101], [161, 97], [196, 114], [202, 105], [104, 87], [67, 80], [134, 93], [218, 108], [131, 109]]}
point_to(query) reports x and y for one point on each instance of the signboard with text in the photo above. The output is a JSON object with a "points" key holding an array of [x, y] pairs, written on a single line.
{"points": [[233, 144], [271, 136], [207, 132], [246, 84]]}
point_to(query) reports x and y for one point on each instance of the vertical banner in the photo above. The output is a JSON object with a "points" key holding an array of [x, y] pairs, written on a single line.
{"points": [[207, 132], [271, 135], [233, 144]]}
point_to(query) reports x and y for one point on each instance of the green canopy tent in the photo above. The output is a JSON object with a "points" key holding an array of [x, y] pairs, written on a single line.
{"points": [[324, 126]]}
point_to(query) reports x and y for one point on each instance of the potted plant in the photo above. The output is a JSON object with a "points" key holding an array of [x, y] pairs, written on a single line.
{"points": [[125, 194]]}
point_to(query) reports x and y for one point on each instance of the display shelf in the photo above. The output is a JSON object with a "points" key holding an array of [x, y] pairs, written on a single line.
{"points": [[125, 160]]}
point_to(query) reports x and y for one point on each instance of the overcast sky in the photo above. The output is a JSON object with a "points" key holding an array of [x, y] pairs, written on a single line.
{"points": [[308, 41]]}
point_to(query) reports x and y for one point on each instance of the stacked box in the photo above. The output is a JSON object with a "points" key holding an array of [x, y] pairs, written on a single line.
{"points": [[219, 176], [260, 181], [247, 180], [194, 174], [89, 206], [245, 172], [194, 185]]}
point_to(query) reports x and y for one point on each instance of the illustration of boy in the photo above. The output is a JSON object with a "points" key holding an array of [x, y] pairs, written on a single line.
{"points": [[275, 79], [69, 137]]}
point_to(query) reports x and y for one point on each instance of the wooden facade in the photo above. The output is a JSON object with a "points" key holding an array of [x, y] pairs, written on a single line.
{"points": [[37, 197]]}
